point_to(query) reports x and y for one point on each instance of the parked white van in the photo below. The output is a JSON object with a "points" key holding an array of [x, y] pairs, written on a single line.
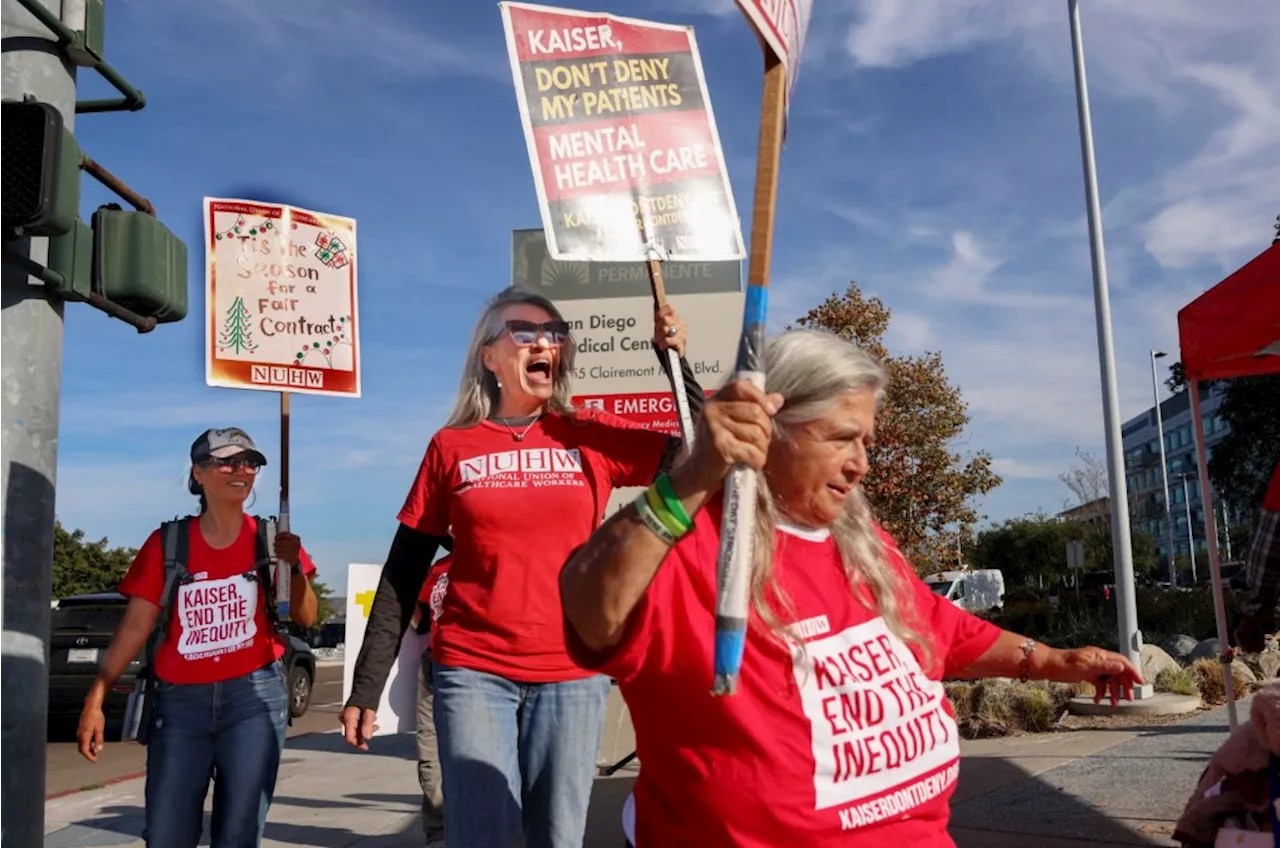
{"points": [[972, 591]]}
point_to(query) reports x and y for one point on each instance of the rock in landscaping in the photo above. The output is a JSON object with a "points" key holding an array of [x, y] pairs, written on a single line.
{"points": [[1269, 665], [1206, 649], [1154, 661], [1241, 669], [1180, 646]]}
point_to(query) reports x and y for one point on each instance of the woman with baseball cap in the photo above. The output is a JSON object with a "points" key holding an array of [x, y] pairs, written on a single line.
{"points": [[201, 602]]}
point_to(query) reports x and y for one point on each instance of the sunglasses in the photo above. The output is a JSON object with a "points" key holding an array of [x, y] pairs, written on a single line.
{"points": [[226, 466], [526, 333]]}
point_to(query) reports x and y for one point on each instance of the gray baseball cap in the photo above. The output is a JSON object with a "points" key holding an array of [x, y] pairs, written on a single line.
{"points": [[224, 443]]}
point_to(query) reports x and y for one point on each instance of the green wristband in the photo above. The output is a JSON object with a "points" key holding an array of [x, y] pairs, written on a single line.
{"points": [[677, 510], [654, 501], [652, 521]]}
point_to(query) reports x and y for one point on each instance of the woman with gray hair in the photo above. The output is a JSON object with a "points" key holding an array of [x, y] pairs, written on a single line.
{"points": [[840, 732], [519, 478]]}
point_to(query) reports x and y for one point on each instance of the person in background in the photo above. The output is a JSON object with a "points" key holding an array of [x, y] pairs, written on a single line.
{"points": [[520, 477], [1257, 603], [840, 732], [430, 605], [221, 708]]}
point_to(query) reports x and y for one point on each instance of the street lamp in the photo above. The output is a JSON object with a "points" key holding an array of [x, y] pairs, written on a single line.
{"points": [[1191, 536], [1164, 471]]}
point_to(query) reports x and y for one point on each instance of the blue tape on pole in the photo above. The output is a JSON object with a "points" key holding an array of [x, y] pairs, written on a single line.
{"points": [[282, 611], [729, 647], [756, 309]]}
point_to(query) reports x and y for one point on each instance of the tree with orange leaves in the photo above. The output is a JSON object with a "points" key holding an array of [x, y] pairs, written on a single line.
{"points": [[921, 488]]}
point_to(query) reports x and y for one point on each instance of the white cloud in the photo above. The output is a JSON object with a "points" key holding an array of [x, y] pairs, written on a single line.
{"points": [[909, 332], [1017, 469], [1192, 60], [890, 34]]}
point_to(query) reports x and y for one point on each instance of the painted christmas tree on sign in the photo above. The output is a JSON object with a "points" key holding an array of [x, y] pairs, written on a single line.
{"points": [[237, 329]]}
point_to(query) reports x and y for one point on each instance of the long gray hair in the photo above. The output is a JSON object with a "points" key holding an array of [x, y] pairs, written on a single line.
{"points": [[478, 392], [811, 370]]}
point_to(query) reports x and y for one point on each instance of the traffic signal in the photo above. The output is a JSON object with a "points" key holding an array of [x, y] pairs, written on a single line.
{"points": [[41, 171], [139, 264]]}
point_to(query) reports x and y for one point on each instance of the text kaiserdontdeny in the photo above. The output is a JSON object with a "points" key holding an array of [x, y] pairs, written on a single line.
{"points": [[287, 277]]}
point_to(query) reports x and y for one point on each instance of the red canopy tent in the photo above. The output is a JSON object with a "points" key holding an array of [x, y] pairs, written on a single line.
{"points": [[1232, 330]]}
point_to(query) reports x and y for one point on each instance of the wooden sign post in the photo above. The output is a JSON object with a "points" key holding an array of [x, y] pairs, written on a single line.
{"points": [[781, 32]]}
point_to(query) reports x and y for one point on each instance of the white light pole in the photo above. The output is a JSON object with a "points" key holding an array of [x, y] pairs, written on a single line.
{"points": [[1191, 536], [1164, 470], [1121, 542]]}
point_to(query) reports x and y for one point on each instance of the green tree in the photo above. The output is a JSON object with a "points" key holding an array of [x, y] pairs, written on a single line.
{"points": [[1244, 460], [1028, 550], [1242, 463], [326, 609], [81, 568], [923, 490]]}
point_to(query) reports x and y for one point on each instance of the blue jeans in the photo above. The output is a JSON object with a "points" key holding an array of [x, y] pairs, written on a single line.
{"points": [[516, 754], [234, 729]]}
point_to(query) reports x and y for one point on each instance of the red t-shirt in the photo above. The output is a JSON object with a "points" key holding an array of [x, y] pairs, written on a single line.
{"points": [[516, 510], [851, 742], [219, 627]]}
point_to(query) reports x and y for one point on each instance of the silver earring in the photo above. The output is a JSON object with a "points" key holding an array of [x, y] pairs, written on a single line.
{"points": [[499, 382]]}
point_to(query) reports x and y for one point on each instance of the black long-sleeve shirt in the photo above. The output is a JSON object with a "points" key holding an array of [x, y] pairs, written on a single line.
{"points": [[409, 561]]}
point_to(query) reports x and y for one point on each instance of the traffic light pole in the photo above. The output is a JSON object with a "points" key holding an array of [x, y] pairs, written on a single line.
{"points": [[31, 341]]}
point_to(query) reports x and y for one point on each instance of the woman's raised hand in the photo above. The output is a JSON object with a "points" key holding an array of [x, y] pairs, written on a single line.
{"points": [[736, 426]]}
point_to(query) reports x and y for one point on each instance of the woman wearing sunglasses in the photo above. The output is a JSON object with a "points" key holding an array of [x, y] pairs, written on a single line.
{"points": [[521, 479], [220, 705]]}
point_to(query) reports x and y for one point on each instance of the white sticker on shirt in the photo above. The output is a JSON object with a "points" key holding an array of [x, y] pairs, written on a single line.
{"points": [[877, 722], [217, 616], [438, 592], [525, 467]]}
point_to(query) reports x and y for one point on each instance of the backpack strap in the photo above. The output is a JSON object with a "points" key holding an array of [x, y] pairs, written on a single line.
{"points": [[174, 536], [265, 546]]}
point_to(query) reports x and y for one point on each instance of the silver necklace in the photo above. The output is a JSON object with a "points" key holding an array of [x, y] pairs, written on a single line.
{"points": [[519, 437]]}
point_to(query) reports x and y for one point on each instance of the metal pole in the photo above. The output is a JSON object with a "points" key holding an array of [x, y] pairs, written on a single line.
{"points": [[1126, 605], [1226, 530], [1191, 536], [1164, 471], [31, 354]]}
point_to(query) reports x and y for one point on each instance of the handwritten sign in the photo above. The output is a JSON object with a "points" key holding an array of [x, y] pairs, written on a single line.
{"points": [[621, 137], [878, 724], [280, 299], [217, 616]]}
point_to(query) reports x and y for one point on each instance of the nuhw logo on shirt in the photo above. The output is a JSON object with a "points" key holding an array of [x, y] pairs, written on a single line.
{"points": [[882, 738], [527, 466]]}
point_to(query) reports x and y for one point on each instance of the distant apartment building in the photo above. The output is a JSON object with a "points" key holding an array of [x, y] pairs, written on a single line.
{"points": [[1142, 470]]}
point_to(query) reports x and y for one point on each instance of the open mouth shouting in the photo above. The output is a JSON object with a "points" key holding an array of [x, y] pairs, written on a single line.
{"points": [[538, 371]]}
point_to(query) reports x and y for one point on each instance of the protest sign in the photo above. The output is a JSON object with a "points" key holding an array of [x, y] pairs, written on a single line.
{"points": [[280, 299], [398, 709], [783, 25], [621, 137]]}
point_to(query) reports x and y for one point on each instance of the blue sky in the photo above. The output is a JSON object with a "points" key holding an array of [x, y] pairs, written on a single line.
{"points": [[933, 156]]}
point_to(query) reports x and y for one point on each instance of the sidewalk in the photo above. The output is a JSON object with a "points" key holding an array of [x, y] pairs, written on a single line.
{"points": [[1067, 790]]}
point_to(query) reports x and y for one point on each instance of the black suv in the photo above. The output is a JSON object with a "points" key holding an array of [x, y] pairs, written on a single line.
{"points": [[81, 630]]}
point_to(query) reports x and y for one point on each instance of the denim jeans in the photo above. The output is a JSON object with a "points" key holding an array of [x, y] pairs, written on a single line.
{"points": [[234, 730], [517, 754]]}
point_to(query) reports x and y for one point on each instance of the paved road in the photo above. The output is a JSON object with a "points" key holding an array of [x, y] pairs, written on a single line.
{"points": [[67, 771]]}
